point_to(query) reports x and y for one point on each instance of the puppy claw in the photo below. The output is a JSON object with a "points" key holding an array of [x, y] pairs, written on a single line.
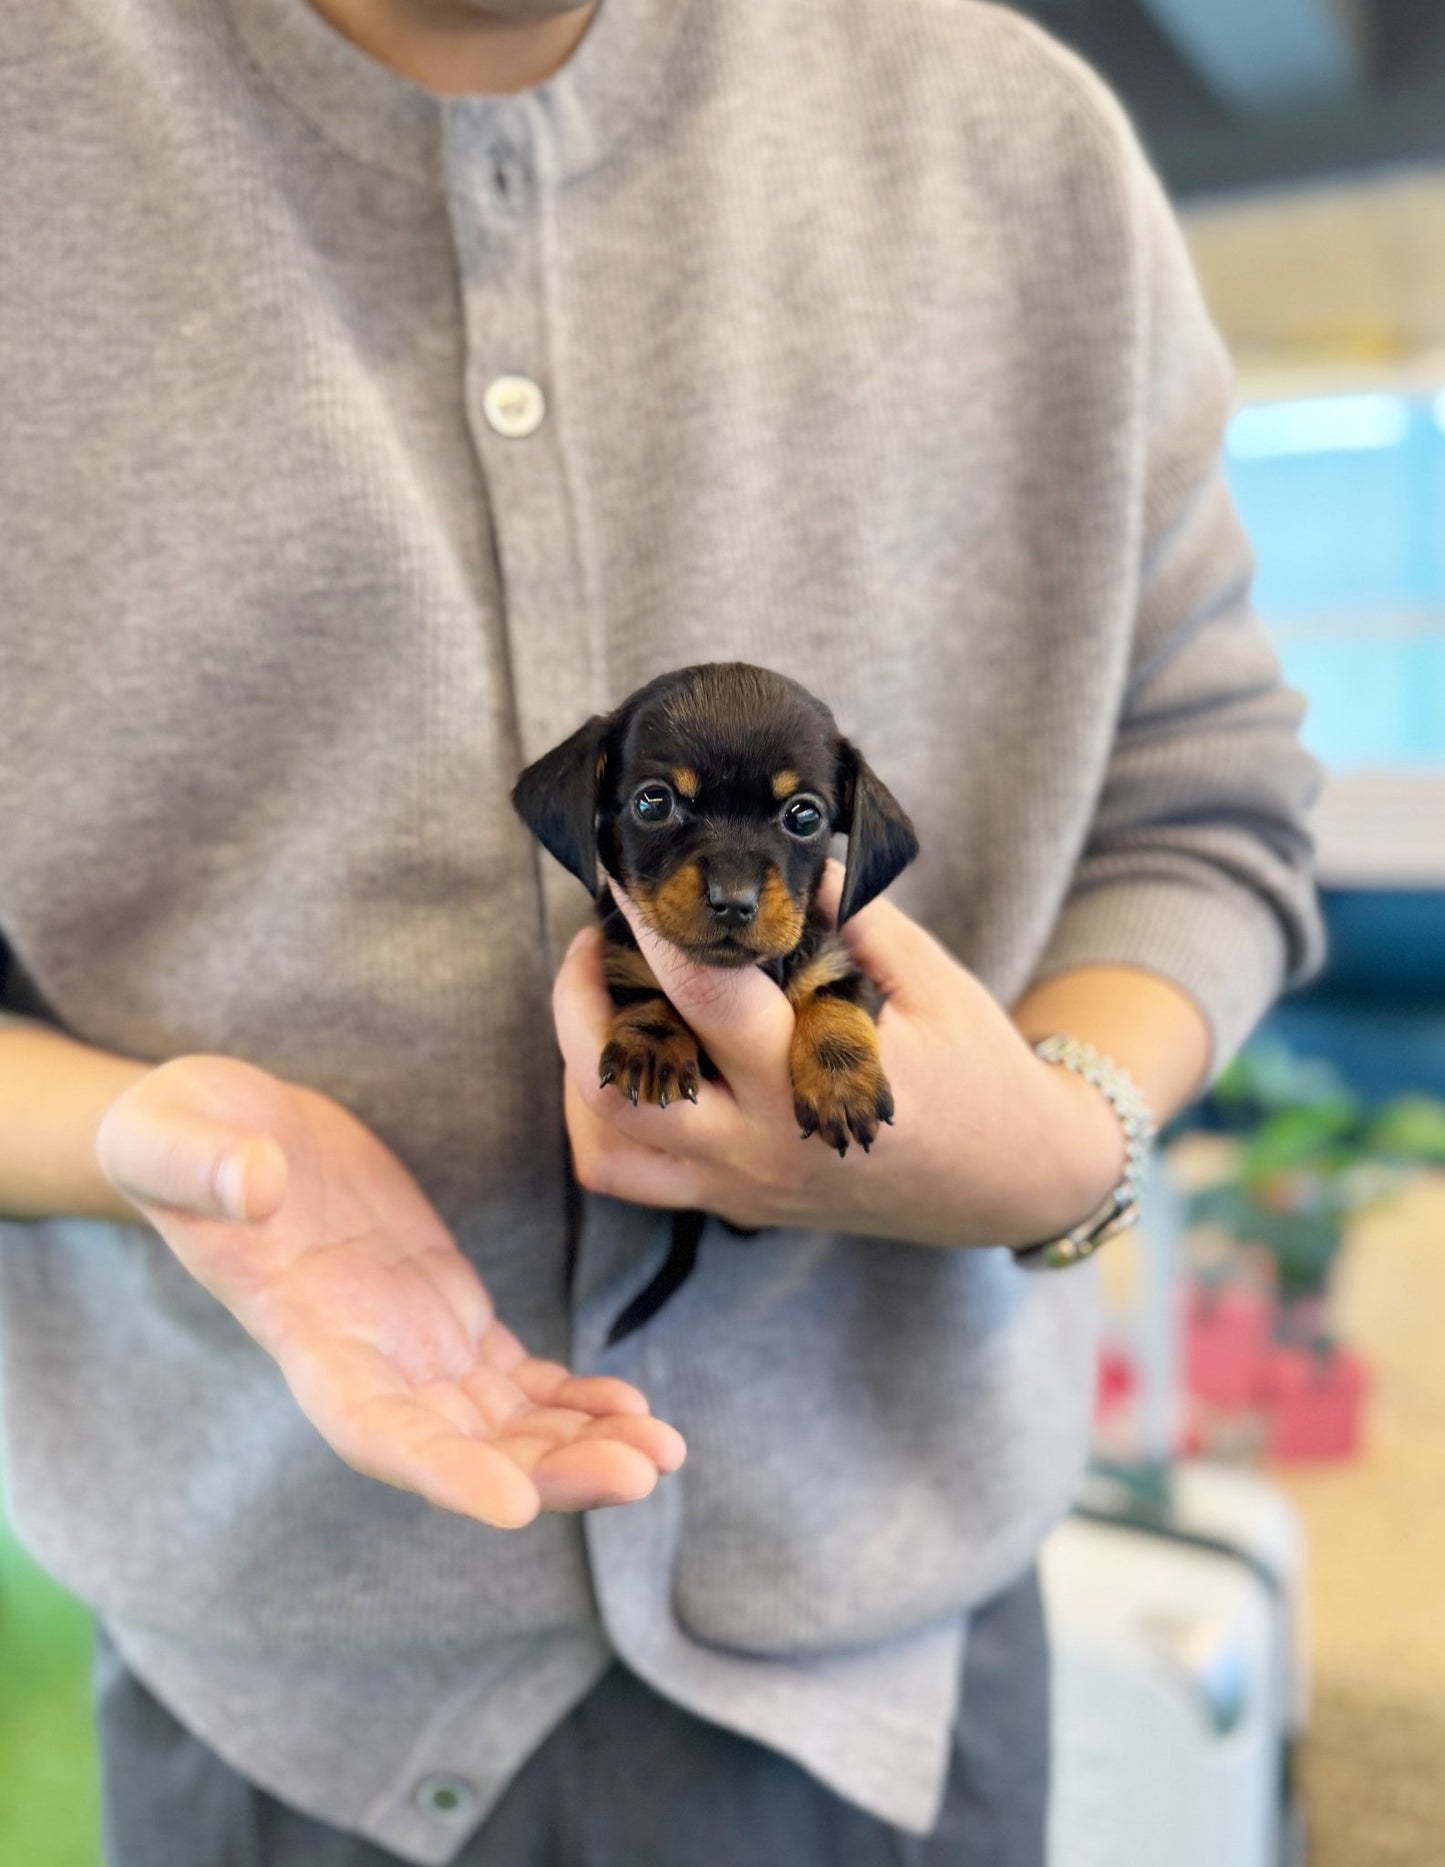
{"points": [[649, 1064], [605, 1078], [839, 1089]]}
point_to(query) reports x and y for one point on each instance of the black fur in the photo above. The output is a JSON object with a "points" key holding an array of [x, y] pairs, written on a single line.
{"points": [[557, 800], [881, 842]]}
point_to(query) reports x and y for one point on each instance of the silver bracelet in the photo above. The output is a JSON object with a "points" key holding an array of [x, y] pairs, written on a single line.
{"points": [[1120, 1209]]}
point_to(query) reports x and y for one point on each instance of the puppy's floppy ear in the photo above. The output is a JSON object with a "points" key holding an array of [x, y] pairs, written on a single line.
{"points": [[881, 842], [557, 799]]}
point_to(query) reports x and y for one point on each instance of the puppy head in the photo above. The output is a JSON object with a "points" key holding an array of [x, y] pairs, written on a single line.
{"points": [[711, 795]]}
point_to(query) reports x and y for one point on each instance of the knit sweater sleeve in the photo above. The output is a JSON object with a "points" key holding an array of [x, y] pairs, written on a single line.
{"points": [[1198, 865]]}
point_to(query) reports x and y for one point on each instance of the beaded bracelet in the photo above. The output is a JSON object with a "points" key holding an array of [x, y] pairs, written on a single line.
{"points": [[1120, 1209]]}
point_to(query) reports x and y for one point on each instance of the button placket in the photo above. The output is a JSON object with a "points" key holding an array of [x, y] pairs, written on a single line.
{"points": [[509, 172], [488, 150], [514, 417]]}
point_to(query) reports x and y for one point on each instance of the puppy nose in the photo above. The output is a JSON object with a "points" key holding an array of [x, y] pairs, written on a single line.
{"points": [[733, 906]]}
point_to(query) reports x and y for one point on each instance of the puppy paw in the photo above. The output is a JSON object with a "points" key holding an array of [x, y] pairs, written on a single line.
{"points": [[651, 1056], [839, 1089]]}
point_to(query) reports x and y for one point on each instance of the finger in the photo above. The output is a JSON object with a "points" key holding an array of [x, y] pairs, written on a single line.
{"points": [[655, 1439], [187, 1162], [395, 1438], [582, 1010], [581, 1004], [455, 1404], [590, 1473], [899, 956], [830, 890], [549, 1384], [611, 1163], [738, 1015], [471, 1478], [572, 1407], [499, 1399], [902, 959]]}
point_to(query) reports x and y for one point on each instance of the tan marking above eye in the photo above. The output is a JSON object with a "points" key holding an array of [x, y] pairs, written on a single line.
{"points": [[685, 782], [785, 783]]}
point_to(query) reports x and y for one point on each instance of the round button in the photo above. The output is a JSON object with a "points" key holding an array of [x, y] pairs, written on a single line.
{"points": [[449, 1800], [514, 406]]}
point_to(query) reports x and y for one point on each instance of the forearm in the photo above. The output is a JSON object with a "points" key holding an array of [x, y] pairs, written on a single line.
{"points": [[1146, 1025], [53, 1093]]}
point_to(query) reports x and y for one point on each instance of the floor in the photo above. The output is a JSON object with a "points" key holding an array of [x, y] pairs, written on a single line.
{"points": [[1374, 1786]]}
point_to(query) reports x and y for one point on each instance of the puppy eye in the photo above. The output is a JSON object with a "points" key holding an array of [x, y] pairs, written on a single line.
{"points": [[803, 818], [654, 803]]}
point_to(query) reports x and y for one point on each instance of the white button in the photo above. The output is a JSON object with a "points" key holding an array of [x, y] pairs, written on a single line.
{"points": [[514, 406], [450, 1800]]}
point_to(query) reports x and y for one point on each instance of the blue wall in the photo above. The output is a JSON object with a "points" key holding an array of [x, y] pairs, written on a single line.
{"points": [[1344, 499]]}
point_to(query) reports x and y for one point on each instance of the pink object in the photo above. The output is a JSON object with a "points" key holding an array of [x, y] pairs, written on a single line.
{"points": [[1314, 1403], [1227, 1341], [1303, 1320], [1117, 1380]]}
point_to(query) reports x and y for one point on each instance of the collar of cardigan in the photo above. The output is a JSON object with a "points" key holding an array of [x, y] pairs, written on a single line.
{"points": [[376, 116]]}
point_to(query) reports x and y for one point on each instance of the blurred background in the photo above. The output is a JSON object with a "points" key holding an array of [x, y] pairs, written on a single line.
{"points": [[1248, 1607], [1272, 1399]]}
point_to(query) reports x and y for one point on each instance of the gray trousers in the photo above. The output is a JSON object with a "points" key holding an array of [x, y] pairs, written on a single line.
{"points": [[627, 1779]]}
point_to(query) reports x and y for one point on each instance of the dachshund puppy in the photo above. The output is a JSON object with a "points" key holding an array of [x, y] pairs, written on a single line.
{"points": [[711, 795]]}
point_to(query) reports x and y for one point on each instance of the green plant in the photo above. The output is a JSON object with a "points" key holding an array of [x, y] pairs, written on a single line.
{"points": [[1310, 1156]]}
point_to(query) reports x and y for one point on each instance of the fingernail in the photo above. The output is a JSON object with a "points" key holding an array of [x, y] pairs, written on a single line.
{"points": [[231, 1186]]}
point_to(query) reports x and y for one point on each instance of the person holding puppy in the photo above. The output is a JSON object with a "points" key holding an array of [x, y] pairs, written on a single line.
{"points": [[392, 385]]}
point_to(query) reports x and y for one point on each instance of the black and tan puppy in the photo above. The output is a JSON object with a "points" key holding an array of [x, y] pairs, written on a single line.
{"points": [[711, 795]]}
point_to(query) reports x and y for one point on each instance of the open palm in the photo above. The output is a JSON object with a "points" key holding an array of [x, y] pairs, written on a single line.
{"points": [[309, 1229]]}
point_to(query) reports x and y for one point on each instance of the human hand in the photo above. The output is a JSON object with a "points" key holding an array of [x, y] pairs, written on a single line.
{"points": [[313, 1234], [991, 1145]]}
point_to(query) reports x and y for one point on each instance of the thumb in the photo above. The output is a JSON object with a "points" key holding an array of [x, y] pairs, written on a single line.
{"points": [[188, 1162], [738, 1015], [901, 958]]}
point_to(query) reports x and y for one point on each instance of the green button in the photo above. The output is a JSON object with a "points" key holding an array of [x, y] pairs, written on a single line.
{"points": [[448, 1799]]}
